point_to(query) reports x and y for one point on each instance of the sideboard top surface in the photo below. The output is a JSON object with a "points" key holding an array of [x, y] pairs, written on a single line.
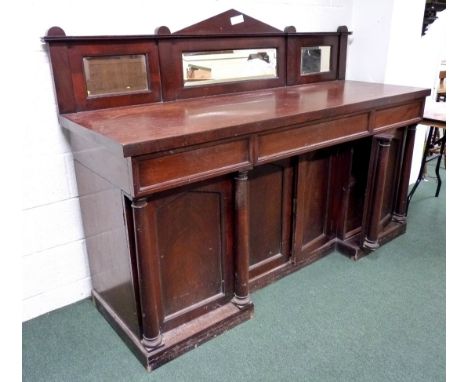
{"points": [[148, 128]]}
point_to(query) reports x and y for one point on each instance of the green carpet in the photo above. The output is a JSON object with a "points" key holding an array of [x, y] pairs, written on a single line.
{"points": [[381, 318]]}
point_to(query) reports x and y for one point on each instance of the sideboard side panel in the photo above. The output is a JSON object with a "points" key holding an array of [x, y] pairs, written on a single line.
{"points": [[103, 212]]}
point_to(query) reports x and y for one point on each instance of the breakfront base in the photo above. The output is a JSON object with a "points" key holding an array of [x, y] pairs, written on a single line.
{"points": [[351, 247], [291, 266], [180, 339]]}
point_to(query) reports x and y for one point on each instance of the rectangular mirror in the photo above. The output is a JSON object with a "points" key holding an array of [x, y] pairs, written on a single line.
{"points": [[315, 59], [204, 68], [114, 75]]}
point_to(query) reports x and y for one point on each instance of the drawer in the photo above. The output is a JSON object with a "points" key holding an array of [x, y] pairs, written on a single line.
{"points": [[301, 139], [397, 116], [174, 169]]}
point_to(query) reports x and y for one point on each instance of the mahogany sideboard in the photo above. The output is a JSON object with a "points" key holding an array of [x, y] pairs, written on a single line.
{"points": [[196, 189]]}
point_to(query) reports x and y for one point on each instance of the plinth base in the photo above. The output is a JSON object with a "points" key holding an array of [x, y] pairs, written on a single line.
{"points": [[178, 340]]}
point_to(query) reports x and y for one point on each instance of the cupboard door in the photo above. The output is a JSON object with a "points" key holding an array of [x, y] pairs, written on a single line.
{"points": [[353, 161], [194, 245], [312, 205], [270, 192]]}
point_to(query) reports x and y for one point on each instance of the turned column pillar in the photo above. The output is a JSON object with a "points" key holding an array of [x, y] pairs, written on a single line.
{"points": [[242, 250], [148, 272], [371, 241], [399, 213]]}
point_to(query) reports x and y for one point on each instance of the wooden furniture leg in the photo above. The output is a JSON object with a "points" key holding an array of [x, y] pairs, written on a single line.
{"points": [[148, 273], [371, 241], [241, 280], [399, 213], [441, 153]]}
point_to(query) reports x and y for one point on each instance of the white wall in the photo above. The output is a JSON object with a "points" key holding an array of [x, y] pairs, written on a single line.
{"points": [[431, 52], [404, 61], [55, 268], [368, 51]]}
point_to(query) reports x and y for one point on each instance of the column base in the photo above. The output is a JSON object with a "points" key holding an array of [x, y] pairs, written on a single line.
{"points": [[370, 245], [152, 343], [399, 218], [241, 301]]}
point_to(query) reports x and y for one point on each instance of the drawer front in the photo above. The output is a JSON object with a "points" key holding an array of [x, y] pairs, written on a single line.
{"points": [[301, 139], [185, 167], [397, 116]]}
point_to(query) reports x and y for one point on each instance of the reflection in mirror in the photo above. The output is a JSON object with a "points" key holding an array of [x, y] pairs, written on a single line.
{"points": [[203, 68], [315, 59], [114, 75]]}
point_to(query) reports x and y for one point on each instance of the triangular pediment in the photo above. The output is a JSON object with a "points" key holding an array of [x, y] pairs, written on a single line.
{"points": [[229, 22]]}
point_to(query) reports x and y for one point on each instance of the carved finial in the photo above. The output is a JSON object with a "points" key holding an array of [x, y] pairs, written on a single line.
{"points": [[55, 32], [162, 30], [290, 29], [342, 29]]}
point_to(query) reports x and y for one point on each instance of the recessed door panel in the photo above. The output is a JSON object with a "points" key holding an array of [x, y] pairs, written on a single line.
{"points": [[357, 185], [270, 188], [312, 201], [194, 248]]}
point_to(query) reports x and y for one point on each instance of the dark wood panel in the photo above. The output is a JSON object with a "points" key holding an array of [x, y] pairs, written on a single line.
{"points": [[222, 23], [348, 181], [312, 202], [64, 91], [100, 159], [105, 222], [316, 196], [270, 216], [174, 169], [401, 115], [357, 185], [162, 126], [294, 59], [342, 55], [194, 239], [172, 71], [78, 51], [303, 138]]}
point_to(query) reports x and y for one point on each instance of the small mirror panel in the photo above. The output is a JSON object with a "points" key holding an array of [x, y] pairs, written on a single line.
{"points": [[115, 75], [204, 68], [315, 59]]}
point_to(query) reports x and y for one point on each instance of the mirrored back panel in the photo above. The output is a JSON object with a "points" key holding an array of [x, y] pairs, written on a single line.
{"points": [[113, 75], [208, 58], [315, 59], [101, 73], [200, 67], [213, 67]]}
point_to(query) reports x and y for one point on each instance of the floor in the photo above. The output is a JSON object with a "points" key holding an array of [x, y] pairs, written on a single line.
{"points": [[379, 319]]}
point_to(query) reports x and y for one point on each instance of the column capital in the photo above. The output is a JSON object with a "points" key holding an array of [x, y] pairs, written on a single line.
{"points": [[384, 139], [139, 203], [242, 175]]}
